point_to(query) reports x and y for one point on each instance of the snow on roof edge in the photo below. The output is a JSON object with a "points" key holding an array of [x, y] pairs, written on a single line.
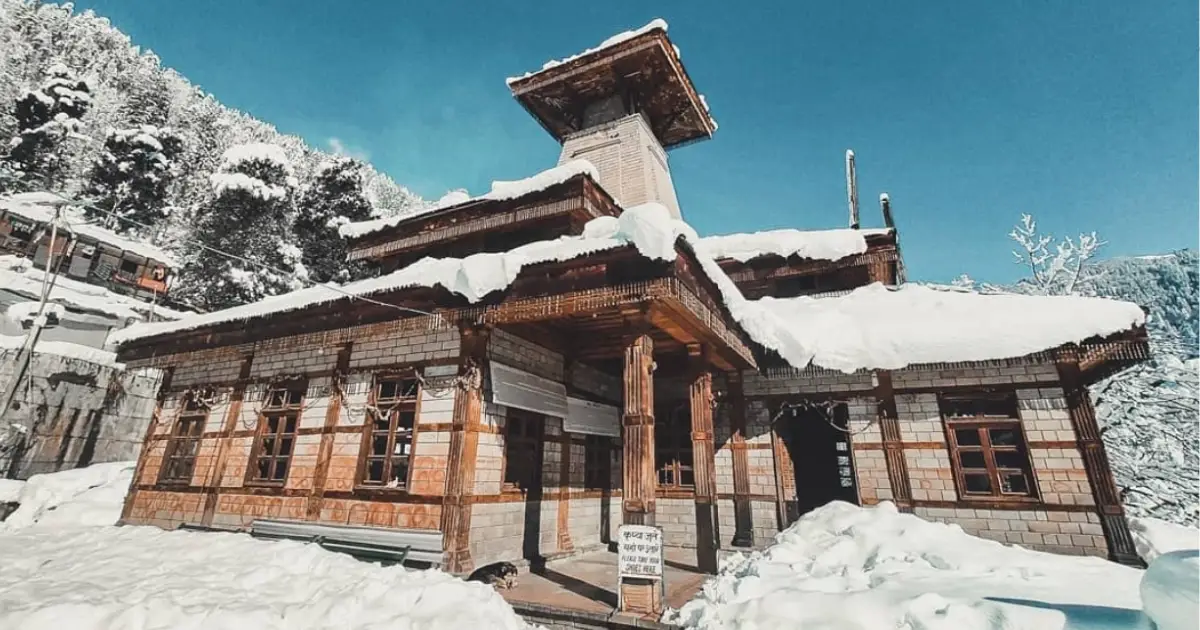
{"points": [[655, 24], [500, 191], [833, 244]]}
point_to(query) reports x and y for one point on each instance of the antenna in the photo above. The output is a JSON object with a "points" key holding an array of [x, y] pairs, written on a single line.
{"points": [[852, 189]]}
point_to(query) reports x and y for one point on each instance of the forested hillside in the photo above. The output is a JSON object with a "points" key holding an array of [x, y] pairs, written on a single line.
{"points": [[86, 114]]}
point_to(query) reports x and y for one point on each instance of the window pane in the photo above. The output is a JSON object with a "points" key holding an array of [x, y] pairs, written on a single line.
{"points": [[264, 467], [380, 424], [686, 478], [375, 470], [281, 466], [272, 424], [972, 459], [291, 424], [401, 447], [294, 397], [1003, 437], [1009, 459], [666, 477], [387, 390], [977, 483], [379, 444], [409, 388], [967, 437], [1014, 483], [400, 470], [406, 419], [268, 446], [276, 398], [285, 446]]}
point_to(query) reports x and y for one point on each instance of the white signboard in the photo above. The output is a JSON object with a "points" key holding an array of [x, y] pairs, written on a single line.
{"points": [[639, 552], [520, 389], [593, 418]]}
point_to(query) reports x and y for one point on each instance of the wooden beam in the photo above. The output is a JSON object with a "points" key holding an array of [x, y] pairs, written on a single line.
{"points": [[893, 447], [703, 459], [743, 535], [466, 422], [312, 510], [1121, 547], [213, 483]]}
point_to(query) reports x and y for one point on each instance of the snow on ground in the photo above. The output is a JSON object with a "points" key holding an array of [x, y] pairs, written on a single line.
{"points": [[813, 244], [65, 564], [10, 490], [500, 191], [655, 24], [1155, 537], [1169, 590], [19, 276], [843, 567], [63, 349], [928, 325]]}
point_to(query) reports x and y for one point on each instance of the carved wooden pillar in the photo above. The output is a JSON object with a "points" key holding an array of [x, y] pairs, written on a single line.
{"points": [[638, 472], [703, 460], [164, 386], [893, 447], [466, 424], [743, 535], [224, 442], [337, 384], [1095, 461]]}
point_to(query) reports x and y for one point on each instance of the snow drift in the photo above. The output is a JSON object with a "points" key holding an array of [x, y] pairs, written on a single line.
{"points": [[64, 562], [848, 568], [1169, 590]]}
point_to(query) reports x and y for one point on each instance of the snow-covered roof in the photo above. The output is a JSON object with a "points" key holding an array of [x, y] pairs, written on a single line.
{"points": [[63, 349], [501, 190], [39, 207], [877, 327], [19, 276], [813, 244], [655, 24]]}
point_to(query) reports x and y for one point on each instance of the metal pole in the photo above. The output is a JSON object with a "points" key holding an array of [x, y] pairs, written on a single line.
{"points": [[852, 189]]}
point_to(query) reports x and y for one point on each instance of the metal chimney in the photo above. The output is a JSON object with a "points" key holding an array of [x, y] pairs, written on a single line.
{"points": [[852, 189]]}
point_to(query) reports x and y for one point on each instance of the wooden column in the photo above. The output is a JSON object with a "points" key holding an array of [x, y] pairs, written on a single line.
{"points": [[1121, 547], [337, 383], [638, 472], [564, 496], [226, 439], [704, 461], [743, 535], [466, 424], [893, 448], [164, 387]]}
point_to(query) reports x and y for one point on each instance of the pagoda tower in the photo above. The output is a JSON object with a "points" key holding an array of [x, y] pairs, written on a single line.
{"points": [[621, 106]]}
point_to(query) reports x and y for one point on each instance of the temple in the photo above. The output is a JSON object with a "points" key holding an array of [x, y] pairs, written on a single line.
{"points": [[537, 365]]}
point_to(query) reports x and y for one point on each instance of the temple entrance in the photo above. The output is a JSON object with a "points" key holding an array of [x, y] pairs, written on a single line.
{"points": [[815, 464]]}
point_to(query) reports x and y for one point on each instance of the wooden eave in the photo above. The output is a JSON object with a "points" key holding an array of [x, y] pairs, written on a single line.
{"points": [[578, 199], [592, 300], [771, 268], [646, 65]]}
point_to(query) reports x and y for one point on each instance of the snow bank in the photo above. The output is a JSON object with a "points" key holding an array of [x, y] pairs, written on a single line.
{"points": [[88, 496], [876, 327], [10, 490], [64, 562], [39, 207], [1169, 590], [64, 349], [500, 191], [849, 568], [655, 24], [1155, 537], [812, 244]]}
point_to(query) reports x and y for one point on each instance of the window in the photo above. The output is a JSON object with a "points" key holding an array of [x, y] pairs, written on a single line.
{"points": [[673, 450], [988, 449], [276, 434], [180, 458], [389, 434], [129, 266], [597, 462], [523, 451]]}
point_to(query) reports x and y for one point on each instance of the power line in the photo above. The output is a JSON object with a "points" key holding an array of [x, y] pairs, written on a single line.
{"points": [[193, 242]]}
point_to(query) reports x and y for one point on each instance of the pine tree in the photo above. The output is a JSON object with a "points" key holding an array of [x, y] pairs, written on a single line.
{"points": [[130, 178], [250, 216], [336, 197], [46, 119]]}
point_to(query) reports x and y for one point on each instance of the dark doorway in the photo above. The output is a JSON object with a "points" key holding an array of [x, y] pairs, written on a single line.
{"points": [[816, 463]]}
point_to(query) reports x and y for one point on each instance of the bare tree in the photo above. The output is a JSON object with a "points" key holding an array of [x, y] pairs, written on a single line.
{"points": [[1064, 270]]}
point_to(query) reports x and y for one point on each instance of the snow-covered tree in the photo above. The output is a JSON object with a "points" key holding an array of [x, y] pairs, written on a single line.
{"points": [[334, 198], [47, 119], [1063, 270], [250, 218], [130, 179]]}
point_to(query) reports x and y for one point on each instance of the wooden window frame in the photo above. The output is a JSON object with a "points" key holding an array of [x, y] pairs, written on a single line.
{"points": [[290, 405], [188, 430], [597, 462], [532, 442], [674, 467], [395, 407], [990, 411]]}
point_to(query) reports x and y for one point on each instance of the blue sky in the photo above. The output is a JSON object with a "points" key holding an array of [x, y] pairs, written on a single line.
{"points": [[1083, 114]]}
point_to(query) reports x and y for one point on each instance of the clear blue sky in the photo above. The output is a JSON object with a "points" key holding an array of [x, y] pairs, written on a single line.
{"points": [[968, 113]]}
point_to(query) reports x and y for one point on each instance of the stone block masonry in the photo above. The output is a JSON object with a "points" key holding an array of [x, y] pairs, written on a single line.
{"points": [[1071, 533]]}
